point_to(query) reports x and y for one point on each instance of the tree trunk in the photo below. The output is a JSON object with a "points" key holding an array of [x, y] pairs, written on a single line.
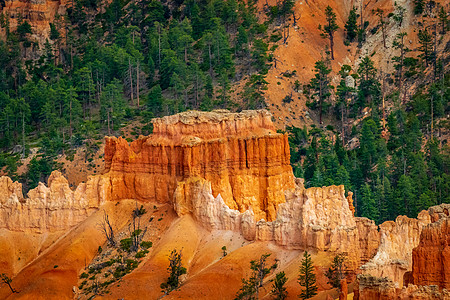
{"points": [[70, 116], [159, 45], [131, 81], [210, 61], [23, 134], [137, 82], [332, 46]]}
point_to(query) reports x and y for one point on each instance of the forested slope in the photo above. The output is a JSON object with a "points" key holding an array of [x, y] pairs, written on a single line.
{"points": [[371, 90]]}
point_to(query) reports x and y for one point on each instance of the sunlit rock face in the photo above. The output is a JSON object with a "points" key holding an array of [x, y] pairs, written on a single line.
{"points": [[431, 258], [240, 154], [48, 208], [317, 219]]}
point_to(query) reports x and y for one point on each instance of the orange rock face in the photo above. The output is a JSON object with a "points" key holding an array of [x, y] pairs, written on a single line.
{"points": [[38, 13], [241, 154], [431, 259]]}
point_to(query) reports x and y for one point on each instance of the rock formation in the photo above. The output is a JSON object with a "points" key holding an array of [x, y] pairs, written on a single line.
{"points": [[394, 258], [241, 154], [431, 258], [231, 171], [368, 287], [314, 218], [397, 240], [51, 208]]}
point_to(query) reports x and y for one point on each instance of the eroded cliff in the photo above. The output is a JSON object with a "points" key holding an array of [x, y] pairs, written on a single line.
{"points": [[431, 258], [51, 208], [397, 240], [241, 154], [318, 219]]}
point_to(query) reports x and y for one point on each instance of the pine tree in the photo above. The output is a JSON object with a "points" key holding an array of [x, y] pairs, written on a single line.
{"points": [[443, 19], [250, 287], [321, 85], [419, 6], [175, 270], [426, 46], [369, 207], [369, 89], [405, 196], [330, 28], [278, 286], [337, 271], [351, 26], [307, 278], [399, 43]]}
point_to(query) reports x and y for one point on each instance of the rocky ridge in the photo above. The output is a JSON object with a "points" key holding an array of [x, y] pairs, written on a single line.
{"points": [[49, 208], [371, 287], [397, 241]]}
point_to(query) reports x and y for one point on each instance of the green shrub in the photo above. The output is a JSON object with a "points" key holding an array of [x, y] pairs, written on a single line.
{"points": [[141, 254], [146, 244], [84, 275], [125, 244]]}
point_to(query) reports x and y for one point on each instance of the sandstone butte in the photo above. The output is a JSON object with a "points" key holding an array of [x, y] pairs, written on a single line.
{"points": [[226, 172], [240, 154]]}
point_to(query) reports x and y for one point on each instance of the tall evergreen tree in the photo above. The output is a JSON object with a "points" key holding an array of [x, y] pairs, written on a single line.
{"points": [[307, 278], [321, 86], [426, 46], [351, 26], [369, 207], [330, 28]]}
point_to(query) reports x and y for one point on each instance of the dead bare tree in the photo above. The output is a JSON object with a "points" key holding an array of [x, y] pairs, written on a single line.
{"points": [[285, 34], [5, 279], [107, 229], [136, 234]]}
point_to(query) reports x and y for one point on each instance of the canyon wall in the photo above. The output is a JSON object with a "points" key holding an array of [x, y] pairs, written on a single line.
{"points": [[51, 208], [431, 258], [241, 154]]}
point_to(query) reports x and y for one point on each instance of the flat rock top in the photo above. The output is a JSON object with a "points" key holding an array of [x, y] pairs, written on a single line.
{"points": [[215, 116], [198, 125]]}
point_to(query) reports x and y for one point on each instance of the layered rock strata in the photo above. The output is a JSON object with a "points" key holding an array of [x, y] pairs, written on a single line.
{"points": [[51, 208], [431, 258], [369, 287], [241, 154]]}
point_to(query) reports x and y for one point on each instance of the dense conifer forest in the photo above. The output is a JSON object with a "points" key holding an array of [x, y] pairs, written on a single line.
{"points": [[106, 65]]}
